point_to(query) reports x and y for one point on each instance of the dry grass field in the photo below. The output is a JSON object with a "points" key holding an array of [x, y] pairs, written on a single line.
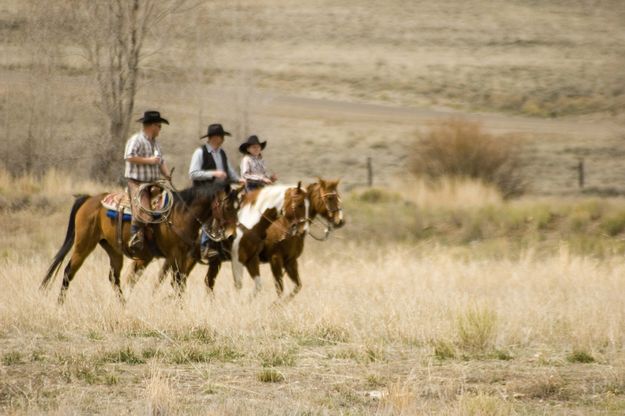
{"points": [[389, 328], [435, 301]]}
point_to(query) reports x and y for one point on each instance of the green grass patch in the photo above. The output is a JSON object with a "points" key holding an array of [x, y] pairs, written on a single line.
{"points": [[580, 356], [124, 355], [270, 375], [12, 358], [278, 357]]}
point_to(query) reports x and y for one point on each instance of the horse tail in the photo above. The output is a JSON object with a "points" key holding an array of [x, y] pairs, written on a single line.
{"points": [[67, 244]]}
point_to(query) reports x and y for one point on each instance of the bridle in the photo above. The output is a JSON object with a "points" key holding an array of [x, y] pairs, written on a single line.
{"points": [[217, 229], [295, 223], [328, 226]]}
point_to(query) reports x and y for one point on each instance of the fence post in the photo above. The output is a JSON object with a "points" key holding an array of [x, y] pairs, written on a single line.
{"points": [[369, 172], [580, 172]]}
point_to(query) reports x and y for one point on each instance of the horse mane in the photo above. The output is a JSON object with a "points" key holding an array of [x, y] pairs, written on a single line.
{"points": [[191, 194]]}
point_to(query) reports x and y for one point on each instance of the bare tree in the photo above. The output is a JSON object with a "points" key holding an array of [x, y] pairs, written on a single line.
{"points": [[112, 35]]}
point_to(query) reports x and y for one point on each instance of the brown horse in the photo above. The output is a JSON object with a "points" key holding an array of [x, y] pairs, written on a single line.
{"points": [[247, 245], [282, 251], [259, 211], [174, 239]]}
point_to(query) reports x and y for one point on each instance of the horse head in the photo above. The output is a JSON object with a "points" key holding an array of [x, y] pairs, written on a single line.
{"points": [[225, 208], [296, 210], [325, 200]]}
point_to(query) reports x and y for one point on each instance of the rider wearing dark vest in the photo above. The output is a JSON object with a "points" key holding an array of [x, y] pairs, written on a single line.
{"points": [[208, 163], [204, 168]]}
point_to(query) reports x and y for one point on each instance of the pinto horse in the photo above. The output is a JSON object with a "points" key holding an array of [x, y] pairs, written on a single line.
{"points": [[174, 238], [259, 210], [255, 222], [282, 251]]}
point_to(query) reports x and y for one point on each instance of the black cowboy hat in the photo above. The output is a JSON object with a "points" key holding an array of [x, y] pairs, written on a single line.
{"points": [[253, 139], [150, 117], [216, 130]]}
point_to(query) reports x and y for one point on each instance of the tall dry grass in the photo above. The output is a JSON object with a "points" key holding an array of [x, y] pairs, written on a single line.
{"points": [[407, 302], [379, 328]]}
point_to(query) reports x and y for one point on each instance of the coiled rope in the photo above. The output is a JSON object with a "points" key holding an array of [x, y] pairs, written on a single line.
{"points": [[157, 216]]}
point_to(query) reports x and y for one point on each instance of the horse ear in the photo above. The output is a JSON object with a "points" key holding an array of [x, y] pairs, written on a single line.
{"points": [[322, 183], [299, 185]]}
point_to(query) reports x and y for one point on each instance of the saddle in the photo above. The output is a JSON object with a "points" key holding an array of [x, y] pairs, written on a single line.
{"points": [[116, 202]]}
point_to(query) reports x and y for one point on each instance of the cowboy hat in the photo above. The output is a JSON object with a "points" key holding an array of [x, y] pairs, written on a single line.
{"points": [[150, 117], [253, 139], [216, 130]]}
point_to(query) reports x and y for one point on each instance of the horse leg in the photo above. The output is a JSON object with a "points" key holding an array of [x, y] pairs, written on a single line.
{"points": [[293, 273], [211, 274], [237, 266], [81, 250], [116, 261], [276, 270], [179, 280], [253, 268], [137, 267], [162, 274]]}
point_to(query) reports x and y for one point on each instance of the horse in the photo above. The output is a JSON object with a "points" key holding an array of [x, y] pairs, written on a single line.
{"points": [[258, 211], [174, 238], [282, 251], [226, 227], [248, 242]]}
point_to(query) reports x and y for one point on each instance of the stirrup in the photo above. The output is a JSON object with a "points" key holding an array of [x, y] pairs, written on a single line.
{"points": [[208, 253], [136, 241]]}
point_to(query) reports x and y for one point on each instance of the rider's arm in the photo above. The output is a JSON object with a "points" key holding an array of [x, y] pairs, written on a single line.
{"points": [[165, 170], [195, 168], [232, 173]]}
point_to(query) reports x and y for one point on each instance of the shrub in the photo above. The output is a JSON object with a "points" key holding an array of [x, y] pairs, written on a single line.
{"points": [[460, 148]]}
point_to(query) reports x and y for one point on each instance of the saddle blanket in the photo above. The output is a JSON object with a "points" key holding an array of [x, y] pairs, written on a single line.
{"points": [[113, 201]]}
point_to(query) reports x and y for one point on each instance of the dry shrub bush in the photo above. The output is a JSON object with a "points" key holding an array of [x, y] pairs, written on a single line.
{"points": [[460, 148]]}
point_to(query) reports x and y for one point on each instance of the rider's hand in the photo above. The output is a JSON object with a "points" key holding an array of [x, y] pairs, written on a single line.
{"points": [[267, 181], [220, 174], [155, 160]]}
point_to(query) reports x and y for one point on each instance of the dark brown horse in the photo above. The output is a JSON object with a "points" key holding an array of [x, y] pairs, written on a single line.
{"points": [[282, 250], [173, 239]]}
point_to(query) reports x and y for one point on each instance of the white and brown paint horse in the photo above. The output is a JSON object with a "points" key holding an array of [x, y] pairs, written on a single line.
{"points": [[282, 253], [281, 250], [282, 207], [259, 210]]}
